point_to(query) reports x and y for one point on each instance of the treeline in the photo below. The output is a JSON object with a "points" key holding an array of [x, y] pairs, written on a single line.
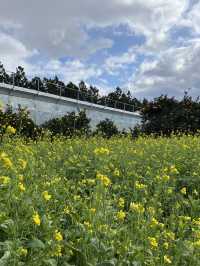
{"points": [[166, 115], [163, 115], [116, 99]]}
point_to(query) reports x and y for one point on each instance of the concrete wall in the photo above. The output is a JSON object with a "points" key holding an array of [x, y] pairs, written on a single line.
{"points": [[44, 106]]}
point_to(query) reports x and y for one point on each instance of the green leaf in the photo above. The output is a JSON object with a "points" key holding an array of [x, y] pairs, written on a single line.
{"points": [[107, 263], [50, 262], [6, 225], [36, 243], [5, 258]]}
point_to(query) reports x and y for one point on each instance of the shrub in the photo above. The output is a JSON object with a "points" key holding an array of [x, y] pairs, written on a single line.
{"points": [[20, 120], [68, 125], [107, 128], [136, 131], [164, 116]]}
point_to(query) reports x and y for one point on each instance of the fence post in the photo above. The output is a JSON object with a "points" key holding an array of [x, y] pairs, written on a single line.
{"points": [[38, 85], [13, 79], [1, 73], [78, 95]]}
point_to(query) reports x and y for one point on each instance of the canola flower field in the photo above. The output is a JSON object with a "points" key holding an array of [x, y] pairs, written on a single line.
{"points": [[100, 202]]}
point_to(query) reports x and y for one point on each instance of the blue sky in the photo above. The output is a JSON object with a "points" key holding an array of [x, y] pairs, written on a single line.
{"points": [[150, 47]]}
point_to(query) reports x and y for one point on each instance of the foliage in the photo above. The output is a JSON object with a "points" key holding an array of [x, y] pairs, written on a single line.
{"points": [[100, 201], [69, 125], [106, 128], [165, 115], [136, 132], [20, 120], [115, 99], [118, 98]]}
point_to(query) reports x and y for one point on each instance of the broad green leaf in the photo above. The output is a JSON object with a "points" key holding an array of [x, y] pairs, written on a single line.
{"points": [[36, 243]]}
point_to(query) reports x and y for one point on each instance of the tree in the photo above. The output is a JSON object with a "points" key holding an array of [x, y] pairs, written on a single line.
{"points": [[71, 91], [20, 78], [69, 125], [116, 99], [4, 77], [165, 115], [107, 128]]}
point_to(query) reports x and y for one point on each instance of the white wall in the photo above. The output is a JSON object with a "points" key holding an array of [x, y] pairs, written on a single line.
{"points": [[44, 106]]}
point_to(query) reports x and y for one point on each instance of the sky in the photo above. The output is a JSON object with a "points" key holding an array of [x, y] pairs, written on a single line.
{"points": [[150, 47]]}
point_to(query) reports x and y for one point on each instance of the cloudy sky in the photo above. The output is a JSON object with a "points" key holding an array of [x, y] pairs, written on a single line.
{"points": [[150, 47]]}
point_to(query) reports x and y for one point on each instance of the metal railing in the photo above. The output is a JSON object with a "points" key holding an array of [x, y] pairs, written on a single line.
{"points": [[62, 91]]}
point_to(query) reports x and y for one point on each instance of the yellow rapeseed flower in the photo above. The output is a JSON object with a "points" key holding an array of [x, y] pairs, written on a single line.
{"points": [[184, 191], [173, 170], [170, 190], [196, 244], [116, 172], [36, 219], [167, 259], [58, 236], [170, 235], [57, 251], [87, 224], [22, 163], [46, 195], [121, 203], [104, 179], [77, 197], [166, 245], [140, 186], [66, 210], [6, 162], [5, 180], [154, 222], [121, 215], [92, 210], [21, 187], [137, 207], [21, 178], [165, 178], [196, 221], [10, 130], [99, 151], [22, 251], [153, 242]]}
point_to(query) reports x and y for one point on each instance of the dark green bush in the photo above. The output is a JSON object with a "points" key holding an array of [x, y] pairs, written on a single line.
{"points": [[164, 116], [20, 120], [136, 131], [107, 128], [69, 125]]}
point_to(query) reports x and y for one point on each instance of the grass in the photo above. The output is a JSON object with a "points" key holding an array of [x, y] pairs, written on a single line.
{"points": [[100, 202]]}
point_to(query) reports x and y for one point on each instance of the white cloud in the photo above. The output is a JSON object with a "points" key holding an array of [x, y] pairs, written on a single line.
{"points": [[57, 29], [13, 52], [174, 71], [115, 63], [73, 70], [193, 18]]}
